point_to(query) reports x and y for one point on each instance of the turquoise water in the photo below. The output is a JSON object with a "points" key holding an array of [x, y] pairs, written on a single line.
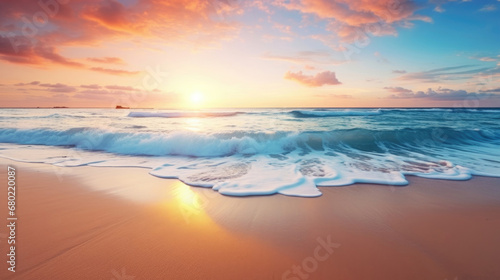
{"points": [[263, 151]]}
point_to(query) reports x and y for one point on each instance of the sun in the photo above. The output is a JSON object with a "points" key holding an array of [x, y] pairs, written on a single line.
{"points": [[196, 98]]}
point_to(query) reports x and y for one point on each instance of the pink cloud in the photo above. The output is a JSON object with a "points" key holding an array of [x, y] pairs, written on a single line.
{"points": [[318, 80], [106, 60], [125, 88], [114, 71], [32, 39], [51, 94], [398, 90], [93, 86], [352, 20]]}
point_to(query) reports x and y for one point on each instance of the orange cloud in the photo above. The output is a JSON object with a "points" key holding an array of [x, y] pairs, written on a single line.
{"points": [[106, 60], [349, 20], [28, 38], [320, 79], [114, 71]]}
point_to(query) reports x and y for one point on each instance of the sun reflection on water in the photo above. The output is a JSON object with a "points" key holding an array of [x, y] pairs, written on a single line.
{"points": [[194, 124]]}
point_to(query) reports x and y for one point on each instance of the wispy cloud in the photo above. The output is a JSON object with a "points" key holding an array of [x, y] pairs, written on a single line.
{"points": [[445, 73], [398, 90], [18, 49], [58, 87], [488, 8], [493, 90], [106, 60], [114, 71], [125, 88], [90, 95], [439, 9], [305, 57], [34, 83], [93, 22], [318, 80], [439, 4], [440, 94], [399, 71], [93, 86], [349, 19], [488, 59]]}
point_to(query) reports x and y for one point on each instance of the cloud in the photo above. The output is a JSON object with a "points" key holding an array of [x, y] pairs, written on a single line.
{"points": [[441, 94], [489, 73], [287, 29], [48, 94], [80, 22], [98, 92], [320, 79], [94, 86], [351, 20], [117, 72], [439, 4], [120, 97], [445, 73], [106, 60], [342, 96], [381, 58], [58, 87], [399, 71], [125, 88], [50, 54], [439, 9], [34, 83], [398, 90], [488, 8], [305, 57], [491, 90], [18, 49], [488, 59]]}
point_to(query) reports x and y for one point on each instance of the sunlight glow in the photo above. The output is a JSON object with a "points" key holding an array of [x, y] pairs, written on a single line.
{"points": [[196, 98]]}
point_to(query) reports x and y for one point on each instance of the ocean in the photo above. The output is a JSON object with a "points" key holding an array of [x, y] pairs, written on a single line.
{"points": [[240, 152]]}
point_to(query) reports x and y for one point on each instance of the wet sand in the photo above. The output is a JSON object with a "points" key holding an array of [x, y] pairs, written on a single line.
{"points": [[121, 223]]}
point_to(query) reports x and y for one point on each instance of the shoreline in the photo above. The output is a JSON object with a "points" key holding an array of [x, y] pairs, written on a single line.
{"points": [[100, 222]]}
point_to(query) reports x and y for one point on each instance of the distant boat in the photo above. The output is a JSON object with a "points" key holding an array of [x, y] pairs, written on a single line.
{"points": [[59, 107], [121, 107]]}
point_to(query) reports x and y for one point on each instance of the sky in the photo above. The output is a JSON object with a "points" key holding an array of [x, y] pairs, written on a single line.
{"points": [[197, 54]]}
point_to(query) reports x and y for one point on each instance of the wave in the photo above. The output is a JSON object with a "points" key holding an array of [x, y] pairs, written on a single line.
{"points": [[184, 143], [242, 163], [486, 111], [187, 143], [418, 110], [454, 110], [333, 113], [186, 114]]}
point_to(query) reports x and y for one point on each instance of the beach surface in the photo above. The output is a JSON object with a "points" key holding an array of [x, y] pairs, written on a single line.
{"points": [[122, 223]]}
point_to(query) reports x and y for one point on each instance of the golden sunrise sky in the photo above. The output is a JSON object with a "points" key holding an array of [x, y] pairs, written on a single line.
{"points": [[228, 53]]}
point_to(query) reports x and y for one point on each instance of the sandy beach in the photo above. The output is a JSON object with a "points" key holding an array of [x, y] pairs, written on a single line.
{"points": [[121, 223]]}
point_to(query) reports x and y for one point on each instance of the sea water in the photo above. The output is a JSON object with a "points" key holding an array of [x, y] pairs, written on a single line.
{"points": [[263, 151]]}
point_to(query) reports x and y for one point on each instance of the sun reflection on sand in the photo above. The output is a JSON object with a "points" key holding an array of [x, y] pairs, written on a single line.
{"points": [[188, 204], [185, 196]]}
